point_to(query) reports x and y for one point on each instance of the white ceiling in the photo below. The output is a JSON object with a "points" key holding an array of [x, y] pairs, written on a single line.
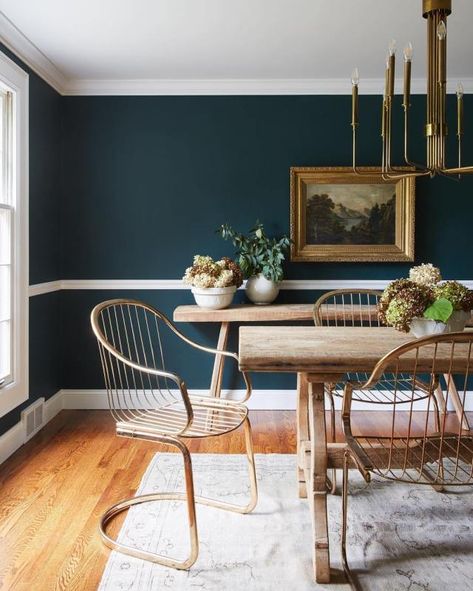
{"points": [[232, 40]]}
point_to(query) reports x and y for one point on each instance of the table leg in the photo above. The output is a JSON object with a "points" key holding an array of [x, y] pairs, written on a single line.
{"points": [[302, 430], [217, 373], [455, 398], [318, 484]]}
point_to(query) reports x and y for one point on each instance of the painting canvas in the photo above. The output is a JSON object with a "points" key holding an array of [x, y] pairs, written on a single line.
{"points": [[351, 214], [337, 215]]}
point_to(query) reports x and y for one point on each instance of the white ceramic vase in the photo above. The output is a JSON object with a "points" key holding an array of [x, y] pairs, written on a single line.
{"points": [[261, 291], [214, 298], [458, 320], [422, 327]]}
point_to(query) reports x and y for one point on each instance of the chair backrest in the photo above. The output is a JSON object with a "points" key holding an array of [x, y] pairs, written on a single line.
{"points": [[347, 307], [129, 336], [426, 446]]}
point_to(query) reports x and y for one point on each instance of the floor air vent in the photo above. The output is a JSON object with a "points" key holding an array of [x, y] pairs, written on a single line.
{"points": [[32, 418]]}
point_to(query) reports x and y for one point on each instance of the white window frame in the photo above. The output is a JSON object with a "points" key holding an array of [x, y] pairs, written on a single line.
{"points": [[16, 391]]}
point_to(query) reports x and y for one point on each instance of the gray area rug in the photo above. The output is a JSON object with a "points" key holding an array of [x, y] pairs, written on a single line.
{"points": [[401, 538]]}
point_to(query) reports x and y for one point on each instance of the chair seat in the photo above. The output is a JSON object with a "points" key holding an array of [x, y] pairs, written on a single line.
{"points": [[441, 457], [383, 392], [212, 416]]}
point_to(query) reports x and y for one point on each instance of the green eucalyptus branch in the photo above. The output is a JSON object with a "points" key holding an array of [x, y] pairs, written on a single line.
{"points": [[257, 252]]}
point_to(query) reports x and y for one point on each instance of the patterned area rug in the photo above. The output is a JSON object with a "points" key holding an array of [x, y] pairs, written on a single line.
{"points": [[401, 538]]}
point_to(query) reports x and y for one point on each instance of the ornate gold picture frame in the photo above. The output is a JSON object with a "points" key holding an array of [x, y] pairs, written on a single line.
{"points": [[337, 215]]}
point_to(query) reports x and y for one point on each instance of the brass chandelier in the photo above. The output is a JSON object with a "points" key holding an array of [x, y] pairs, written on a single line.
{"points": [[436, 13]]}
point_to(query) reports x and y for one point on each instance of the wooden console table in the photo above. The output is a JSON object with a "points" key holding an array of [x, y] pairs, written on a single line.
{"points": [[251, 313], [239, 313]]}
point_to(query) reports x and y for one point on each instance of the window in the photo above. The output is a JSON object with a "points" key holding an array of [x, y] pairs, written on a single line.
{"points": [[13, 235]]}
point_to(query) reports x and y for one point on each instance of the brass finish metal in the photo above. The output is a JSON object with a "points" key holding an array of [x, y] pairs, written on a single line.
{"points": [[402, 250], [352, 306], [429, 6], [436, 13], [129, 336], [432, 456]]}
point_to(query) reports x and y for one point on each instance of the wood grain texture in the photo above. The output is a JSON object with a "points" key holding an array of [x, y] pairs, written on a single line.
{"points": [[324, 350], [271, 313], [245, 313]]}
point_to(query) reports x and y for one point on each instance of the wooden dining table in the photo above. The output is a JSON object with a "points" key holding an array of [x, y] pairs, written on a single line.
{"points": [[320, 355]]}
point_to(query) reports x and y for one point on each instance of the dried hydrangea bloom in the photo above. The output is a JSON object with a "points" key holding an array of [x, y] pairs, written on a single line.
{"points": [[389, 293], [425, 274], [456, 293], [409, 303], [225, 279], [205, 273]]}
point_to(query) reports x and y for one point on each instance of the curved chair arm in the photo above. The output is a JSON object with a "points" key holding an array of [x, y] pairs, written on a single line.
{"points": [[361, 458], [148, 370], [210, 350]]}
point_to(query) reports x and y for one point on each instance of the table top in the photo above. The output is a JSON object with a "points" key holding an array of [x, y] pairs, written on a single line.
{"points": [[325, 350]]}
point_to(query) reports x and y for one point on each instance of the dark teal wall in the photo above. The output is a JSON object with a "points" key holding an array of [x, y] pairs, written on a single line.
{"points": [[44, 226], [148, 179], [133, 187]]}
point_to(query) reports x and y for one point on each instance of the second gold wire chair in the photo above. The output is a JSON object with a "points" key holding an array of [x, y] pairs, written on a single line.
{"points": [[415, 451], [358, 307], [149, 402]]}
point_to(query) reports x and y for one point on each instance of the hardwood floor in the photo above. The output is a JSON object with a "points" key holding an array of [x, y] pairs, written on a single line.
{"points": [[54, 489]]}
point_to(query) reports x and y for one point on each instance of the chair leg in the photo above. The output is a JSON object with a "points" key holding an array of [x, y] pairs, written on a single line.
{"points": [[353, 584], [333, 484], [188, 497]]}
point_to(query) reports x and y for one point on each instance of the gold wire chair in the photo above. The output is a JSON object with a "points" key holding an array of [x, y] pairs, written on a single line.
{"points": [[430, 453], [149, 402], [348, 307]]}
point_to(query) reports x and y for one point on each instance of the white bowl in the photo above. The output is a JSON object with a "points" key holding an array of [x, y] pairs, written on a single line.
{"points": [[214, 298]]}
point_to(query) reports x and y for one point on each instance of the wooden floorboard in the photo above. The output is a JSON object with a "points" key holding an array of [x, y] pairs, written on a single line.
{"points": [[54, 489]]}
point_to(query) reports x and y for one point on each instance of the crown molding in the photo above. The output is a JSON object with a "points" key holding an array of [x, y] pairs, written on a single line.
{"points": [[23, 48], [222, 87], [34, 58]]}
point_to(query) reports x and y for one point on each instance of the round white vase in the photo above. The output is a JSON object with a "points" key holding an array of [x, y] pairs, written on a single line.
{"points": [[214, 298], [260, 290]]}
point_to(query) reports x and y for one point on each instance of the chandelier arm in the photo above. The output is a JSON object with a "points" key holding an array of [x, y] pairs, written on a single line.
{"points": [[420, 167], [457, 170]]}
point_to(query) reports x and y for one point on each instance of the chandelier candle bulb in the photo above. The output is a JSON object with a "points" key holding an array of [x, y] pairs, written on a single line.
{"points": [[442, 37], [355, 79], [407, 84], [460, 109], [391, 74]]}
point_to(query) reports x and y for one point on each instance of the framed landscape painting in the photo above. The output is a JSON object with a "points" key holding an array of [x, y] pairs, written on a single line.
{"points": [[337, 215]]}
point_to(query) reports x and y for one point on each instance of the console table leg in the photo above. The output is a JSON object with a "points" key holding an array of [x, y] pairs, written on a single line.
{"points": [[217, 373]]}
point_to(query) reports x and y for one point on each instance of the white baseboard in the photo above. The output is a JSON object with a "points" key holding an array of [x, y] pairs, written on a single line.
{"points": [[15, 437], [260, 399], [88, 399]]}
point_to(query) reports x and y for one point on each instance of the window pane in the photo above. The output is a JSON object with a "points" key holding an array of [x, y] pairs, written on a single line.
{"points": [[5, 236], [5, 343], [5, 293], [3, 193]]}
